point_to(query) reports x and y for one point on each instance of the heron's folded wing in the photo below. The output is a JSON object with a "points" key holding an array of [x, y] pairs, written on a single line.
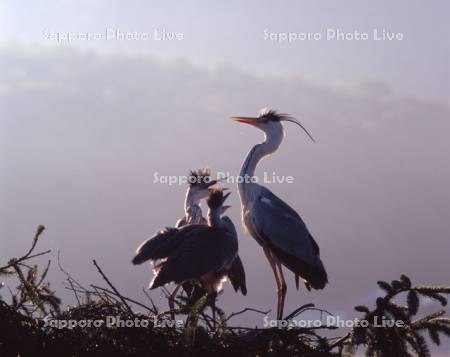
{"points": [[204, 250], [236, 274], [282, 227], [288, 237], [161, 245]]}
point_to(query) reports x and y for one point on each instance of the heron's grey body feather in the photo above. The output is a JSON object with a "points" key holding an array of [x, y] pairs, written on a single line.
{"points": [[203, 250], [289, 239], [236, 275], [196, 250], [161, 245]]}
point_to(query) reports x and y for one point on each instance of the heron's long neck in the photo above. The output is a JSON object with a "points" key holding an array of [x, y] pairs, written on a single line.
{"points": [[192, 209], [256, 154], [214, 219]]}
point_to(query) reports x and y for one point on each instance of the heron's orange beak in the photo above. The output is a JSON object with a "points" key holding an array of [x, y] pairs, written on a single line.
{"points": [[248, 120]]}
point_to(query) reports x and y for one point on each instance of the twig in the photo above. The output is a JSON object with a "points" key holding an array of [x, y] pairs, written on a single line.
{"points": [[66, 273], [126, 298], [244, 311], [113, 287], [74, 292], [155, 309], [339, 341], [15, 261]]}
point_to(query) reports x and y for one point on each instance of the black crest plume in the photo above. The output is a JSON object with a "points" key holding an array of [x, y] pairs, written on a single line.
{"points": [[216, 198], [200, 177], [272, 115]]}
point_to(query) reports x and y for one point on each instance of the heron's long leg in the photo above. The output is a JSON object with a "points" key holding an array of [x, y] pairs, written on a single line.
{"points": [[283, 289], [172, 300], [277, 278], [213, 309]]}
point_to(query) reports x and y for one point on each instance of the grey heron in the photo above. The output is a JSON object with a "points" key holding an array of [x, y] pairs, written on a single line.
{"points": [[277, 227], [166, 241], [206, 253], [160, 245]]}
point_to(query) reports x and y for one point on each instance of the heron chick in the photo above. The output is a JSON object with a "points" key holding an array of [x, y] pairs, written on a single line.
{"points": [[207, 252], [160, 245]]}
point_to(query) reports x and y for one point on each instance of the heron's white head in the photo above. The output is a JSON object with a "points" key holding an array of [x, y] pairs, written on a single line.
{"points": [[269, 121], [200, 183]]}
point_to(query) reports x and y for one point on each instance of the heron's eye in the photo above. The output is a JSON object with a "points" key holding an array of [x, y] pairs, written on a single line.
{"points": [[263, 119]]}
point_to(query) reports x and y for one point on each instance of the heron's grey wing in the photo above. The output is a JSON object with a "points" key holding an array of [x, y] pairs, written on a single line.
{"points": [[315, 245], [183, 221], [236, 274], [279, 203], [161, 245], [285, 233], [206, 250]]}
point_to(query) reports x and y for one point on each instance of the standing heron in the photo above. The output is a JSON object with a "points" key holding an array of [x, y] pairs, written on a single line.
{"points": [[279, 229], [206, 253]]}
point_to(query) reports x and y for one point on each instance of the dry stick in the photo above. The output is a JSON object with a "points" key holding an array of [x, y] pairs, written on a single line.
{"points": [[307, 307], [98, 292], [155, 309], [110, 299], [205, 318], [245, 328], [113, 287], [71, 280], [306, 330], [167, 294], [66, 273], [339, 341], [298, 311], [168, 312], [79, 291], [93, 292], [245, 310], [126, 298], [74, 292]]}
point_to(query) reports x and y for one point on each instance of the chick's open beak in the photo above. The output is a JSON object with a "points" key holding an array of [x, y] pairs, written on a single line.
{"points": [[225, 197], [211, 183]]}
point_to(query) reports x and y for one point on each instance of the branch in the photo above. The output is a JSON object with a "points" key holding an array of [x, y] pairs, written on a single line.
{"points": [[113, 287], [14, 261], [244, 311]]}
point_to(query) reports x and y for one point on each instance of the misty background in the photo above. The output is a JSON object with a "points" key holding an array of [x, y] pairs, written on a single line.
{"points": [[84, 127]]}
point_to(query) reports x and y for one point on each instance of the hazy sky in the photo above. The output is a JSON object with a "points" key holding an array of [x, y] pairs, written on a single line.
{"points": [[82, 133], [232, 32]]}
